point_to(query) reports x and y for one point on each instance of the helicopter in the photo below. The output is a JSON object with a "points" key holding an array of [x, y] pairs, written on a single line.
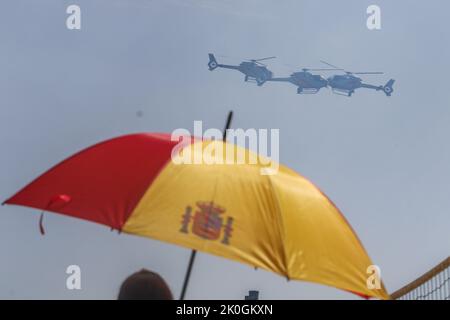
{"points": [[253, 69], [306, 82], [347, 83]]}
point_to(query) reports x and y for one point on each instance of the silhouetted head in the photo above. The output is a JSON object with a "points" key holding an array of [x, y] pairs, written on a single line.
{"points": [[144, 285]]}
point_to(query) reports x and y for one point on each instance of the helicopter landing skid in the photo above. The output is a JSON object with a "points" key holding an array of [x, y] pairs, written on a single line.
{"points": [[254, 80], [347, 93], [307, 90]]}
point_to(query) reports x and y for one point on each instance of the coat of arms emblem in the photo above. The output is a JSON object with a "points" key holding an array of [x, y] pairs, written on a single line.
{"points": [[208, 222]]}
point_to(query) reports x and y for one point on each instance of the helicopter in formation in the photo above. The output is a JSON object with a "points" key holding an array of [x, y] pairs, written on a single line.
{"points": [[305, 81], [347, 83], [253, 69]]}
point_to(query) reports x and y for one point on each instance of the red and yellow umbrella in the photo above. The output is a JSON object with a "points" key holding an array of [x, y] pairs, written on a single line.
{"points": [[279, 222]]}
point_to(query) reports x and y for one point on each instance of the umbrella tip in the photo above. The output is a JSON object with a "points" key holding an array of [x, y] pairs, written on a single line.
{"points": [[41, 224], [119, 231]]}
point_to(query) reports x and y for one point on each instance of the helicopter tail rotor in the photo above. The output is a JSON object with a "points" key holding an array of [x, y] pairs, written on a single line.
{"points": [[212, 64], [387, 88]]}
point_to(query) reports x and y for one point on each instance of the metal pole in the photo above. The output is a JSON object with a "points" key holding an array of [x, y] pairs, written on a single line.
{"points": [[227, 125], [194, 252], [188, 274]]}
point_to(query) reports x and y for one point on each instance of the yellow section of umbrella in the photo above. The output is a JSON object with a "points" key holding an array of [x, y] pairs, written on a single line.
{"points": [[279, 222]]}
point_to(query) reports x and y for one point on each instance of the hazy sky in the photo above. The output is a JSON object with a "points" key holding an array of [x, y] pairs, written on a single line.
{"points": [[383, 161]]}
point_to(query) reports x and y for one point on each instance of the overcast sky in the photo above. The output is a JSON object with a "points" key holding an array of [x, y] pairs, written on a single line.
{"points": [[140, 65]]}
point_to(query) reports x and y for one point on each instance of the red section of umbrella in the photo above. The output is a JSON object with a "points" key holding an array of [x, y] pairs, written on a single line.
{"points": [[119, 172], [56, 202]]}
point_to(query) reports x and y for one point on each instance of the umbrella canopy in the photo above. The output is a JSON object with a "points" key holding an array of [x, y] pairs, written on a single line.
{"points": [[137, 184]]}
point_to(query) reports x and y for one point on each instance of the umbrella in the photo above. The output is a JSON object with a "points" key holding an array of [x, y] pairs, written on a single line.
{"points": [[280, 222]]}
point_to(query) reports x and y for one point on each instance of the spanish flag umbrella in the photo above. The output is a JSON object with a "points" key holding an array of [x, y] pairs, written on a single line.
{"points": [[140, 185]]}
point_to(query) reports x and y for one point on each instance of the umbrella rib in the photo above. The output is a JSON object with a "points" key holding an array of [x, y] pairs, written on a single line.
{"points": [[281, 228]]}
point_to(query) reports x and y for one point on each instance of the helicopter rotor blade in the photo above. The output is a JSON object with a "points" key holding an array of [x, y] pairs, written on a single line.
{"points": [[366, 72], [243, 59], [228, 57], [349, 72], [329, 64], [256, 60], [305, 68], [321, 69]]}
